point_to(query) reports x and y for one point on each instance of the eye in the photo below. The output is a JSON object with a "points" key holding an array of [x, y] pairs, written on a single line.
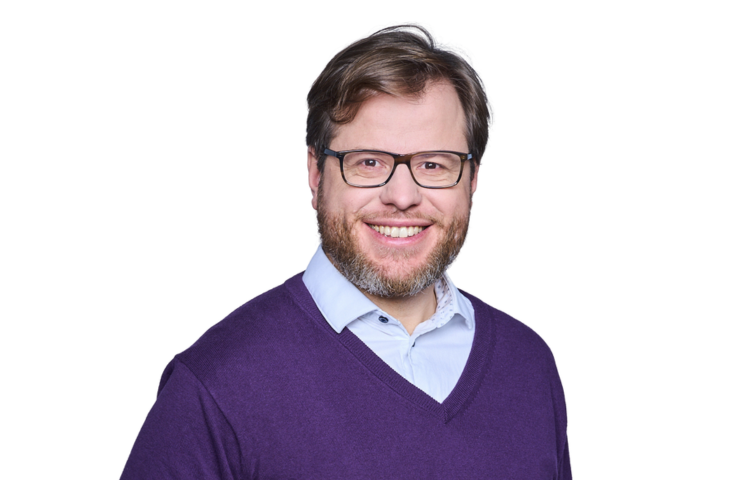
{"points": [[430, 166], [367, 161]]}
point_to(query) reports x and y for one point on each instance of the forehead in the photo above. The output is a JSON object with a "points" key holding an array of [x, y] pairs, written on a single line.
{"points": [[404, 124]]}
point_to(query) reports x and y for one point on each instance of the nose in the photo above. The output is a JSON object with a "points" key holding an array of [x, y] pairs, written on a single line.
{"points": [[401, 191]]}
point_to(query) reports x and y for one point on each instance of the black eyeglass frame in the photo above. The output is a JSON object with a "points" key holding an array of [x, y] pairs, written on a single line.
{"points": [[398, 160]]}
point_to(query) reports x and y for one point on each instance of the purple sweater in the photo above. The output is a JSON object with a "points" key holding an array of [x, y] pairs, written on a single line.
{"points": [[273, 392]]}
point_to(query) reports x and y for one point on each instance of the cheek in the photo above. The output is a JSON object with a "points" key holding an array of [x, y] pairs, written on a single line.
{"points": [[450, 203], [359, 203], [343, 199]]}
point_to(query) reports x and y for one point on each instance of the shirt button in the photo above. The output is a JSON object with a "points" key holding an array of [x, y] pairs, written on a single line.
{"points": [[383, 319]]}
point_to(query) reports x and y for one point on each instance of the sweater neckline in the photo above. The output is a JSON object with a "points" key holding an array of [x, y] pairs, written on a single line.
{"points": [[466, 388]]}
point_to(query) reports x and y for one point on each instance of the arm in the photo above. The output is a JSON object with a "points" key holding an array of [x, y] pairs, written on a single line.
{"points": [[186, 435]]}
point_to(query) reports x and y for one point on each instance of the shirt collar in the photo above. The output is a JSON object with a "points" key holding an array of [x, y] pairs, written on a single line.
{"points": [[462, 305], [338, 300], [341, 302]]}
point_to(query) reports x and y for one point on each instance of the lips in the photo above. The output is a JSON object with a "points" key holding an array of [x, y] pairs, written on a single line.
{"points": [[397, 232]]}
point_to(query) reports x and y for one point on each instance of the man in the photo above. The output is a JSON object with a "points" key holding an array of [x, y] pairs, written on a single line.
{"points": [[371, 364]]}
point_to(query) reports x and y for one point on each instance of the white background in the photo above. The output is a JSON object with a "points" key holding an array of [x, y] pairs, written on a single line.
{"points": [[154, 178]]}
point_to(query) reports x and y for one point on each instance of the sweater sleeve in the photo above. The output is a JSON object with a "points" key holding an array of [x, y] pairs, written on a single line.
{"points": [[185, 435], [565, 466], [560, 415]]}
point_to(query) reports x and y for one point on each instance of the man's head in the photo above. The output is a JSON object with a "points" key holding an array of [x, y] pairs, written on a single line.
{"points": [[396, 92]]}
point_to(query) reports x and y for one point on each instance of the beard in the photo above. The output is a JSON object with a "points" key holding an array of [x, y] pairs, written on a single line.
{"points": [[394, 279]]}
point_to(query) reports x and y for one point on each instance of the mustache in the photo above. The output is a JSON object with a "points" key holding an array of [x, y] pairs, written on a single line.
{"points": [[396, 215]]}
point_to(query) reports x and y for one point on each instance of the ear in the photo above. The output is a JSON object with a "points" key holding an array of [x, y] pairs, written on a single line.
{"points": [[313, 175], [474, 179]]}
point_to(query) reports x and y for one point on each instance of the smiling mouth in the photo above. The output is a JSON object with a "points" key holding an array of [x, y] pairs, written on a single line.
{"points": [[397, 232]]}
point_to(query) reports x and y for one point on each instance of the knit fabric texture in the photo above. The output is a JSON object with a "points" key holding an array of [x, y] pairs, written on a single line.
{"points": [[273, 392]]}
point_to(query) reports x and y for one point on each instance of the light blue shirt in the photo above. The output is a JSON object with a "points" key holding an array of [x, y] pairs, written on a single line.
{"points": [[432, 358]]}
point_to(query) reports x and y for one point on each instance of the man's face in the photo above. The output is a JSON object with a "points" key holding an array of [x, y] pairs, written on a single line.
{"points": [[383, 265]]}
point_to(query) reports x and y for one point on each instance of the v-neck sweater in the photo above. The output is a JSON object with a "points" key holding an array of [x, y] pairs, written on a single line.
{"points": [[272, 391], [432, 357]]}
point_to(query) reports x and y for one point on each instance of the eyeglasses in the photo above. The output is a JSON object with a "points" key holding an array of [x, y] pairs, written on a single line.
{"points": [[372, 168]]}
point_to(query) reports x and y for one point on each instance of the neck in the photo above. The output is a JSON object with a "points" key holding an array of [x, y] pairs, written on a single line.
{"points": [[410, 311]]}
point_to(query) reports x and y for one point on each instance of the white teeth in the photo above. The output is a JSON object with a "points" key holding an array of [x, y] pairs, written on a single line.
{"points": [[397, 232]]}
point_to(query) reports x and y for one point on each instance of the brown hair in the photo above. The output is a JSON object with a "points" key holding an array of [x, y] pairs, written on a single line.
{"points": [[395, 61]]}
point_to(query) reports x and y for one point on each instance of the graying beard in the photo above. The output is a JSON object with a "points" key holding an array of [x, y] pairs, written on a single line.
{"points": [[355, 267], [366, 278]]}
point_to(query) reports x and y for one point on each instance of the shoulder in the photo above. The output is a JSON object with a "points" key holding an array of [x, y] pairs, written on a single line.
{"points": [[260, 331], [259, 318], [513, 339]]}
